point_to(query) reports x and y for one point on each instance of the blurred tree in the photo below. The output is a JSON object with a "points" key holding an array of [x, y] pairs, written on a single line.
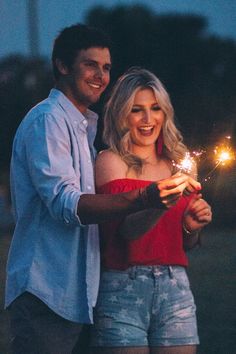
{"points": [[23, 83], [198, 69]]}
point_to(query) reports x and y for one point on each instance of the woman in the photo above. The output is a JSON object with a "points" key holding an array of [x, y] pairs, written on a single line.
{"points": [[145, 304]]}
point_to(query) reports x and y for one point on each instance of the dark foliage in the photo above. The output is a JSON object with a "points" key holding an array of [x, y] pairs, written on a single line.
{"points": [[23, 83], [198, 69]]}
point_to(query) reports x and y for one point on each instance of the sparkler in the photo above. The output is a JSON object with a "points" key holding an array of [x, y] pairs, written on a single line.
{"points": [[188, 163], [224, 155]]}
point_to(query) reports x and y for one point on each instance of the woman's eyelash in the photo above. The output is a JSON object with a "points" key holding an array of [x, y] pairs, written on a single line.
{"points": [[137, 109]]}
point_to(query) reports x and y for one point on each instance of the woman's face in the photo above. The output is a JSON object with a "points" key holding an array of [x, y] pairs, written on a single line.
{"points": [[145, 119]]}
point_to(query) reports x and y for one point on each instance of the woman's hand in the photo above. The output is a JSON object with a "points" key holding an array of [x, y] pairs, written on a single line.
{"points": [[197, 214], [171, 189]]}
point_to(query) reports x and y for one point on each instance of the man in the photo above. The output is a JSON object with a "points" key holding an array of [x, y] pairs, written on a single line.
{"points": [[53, 264]]}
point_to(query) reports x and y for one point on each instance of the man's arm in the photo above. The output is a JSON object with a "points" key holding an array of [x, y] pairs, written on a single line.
{"points": [[93, 209], [137, 224], [47, 145]]}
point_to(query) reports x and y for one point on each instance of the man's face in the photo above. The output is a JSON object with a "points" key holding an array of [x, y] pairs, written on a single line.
{"points": [[88, 77]]}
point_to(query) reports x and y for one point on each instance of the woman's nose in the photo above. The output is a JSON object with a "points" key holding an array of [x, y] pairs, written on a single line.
{"points": [[146, 116]]}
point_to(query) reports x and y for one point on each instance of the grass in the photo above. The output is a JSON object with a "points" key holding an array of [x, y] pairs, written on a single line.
{"points": [[212, 273]]}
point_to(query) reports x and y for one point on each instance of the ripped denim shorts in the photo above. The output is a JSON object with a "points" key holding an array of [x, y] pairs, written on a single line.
{"points": [[145, 306]]}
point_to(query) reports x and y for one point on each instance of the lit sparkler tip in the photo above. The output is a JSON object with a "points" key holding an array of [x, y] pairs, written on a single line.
{"points": [[186, 164], [223, 155]]}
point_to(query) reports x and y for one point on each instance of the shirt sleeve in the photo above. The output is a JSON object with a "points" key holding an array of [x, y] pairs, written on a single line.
{"points": [[48, 153]]}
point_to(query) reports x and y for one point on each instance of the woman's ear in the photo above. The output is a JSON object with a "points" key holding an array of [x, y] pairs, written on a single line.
{"points": [[62, 68]]}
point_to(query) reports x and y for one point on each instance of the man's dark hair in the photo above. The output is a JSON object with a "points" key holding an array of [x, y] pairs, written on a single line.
{"points": [[73, 39]]}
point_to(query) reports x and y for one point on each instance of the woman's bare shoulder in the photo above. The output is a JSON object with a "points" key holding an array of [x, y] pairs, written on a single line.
{"points": [[109, 166]]}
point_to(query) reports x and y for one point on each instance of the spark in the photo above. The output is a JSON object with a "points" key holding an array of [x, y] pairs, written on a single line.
{"points": [[223, 155], [188, 163]]}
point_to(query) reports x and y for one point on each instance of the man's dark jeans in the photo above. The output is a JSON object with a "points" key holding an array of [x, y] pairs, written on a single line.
{"points": [[36, 329]]}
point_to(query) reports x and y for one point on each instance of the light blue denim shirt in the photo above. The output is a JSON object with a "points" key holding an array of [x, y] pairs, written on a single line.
{"points": [[52, 255]]}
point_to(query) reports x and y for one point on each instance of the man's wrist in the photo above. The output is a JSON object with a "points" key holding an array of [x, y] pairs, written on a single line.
{"points": [[150, 197]]}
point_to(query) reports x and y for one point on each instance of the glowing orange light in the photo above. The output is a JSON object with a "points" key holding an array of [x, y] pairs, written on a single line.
{"points": [[224, 155]]}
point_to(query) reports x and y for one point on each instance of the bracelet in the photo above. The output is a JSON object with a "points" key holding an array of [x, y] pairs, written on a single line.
{"points": [[186, 230]]}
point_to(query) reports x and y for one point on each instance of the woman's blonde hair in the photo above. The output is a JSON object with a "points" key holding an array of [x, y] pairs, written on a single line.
{"points": [[116, 131]]}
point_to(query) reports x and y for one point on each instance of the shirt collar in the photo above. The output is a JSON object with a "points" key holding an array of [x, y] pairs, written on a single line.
{"points": [[84, 120]]}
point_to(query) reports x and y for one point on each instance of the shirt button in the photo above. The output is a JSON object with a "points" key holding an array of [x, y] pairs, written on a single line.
{"points": [[89, 188]]}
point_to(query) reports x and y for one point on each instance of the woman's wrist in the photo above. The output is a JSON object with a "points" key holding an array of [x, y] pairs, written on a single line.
{"points": [[189, 232]]}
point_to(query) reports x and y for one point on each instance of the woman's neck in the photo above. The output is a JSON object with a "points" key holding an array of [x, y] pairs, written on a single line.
{"points": [[146, 153]]}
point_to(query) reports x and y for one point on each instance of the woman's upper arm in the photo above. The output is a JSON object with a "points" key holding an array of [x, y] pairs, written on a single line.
{"points": [[109, 166]]}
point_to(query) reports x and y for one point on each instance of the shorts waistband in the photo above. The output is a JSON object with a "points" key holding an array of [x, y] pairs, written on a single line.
{"points": [[156, 270]]}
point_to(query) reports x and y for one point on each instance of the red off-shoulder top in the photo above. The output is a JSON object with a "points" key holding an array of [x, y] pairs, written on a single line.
{"points": [[161, 245]]}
